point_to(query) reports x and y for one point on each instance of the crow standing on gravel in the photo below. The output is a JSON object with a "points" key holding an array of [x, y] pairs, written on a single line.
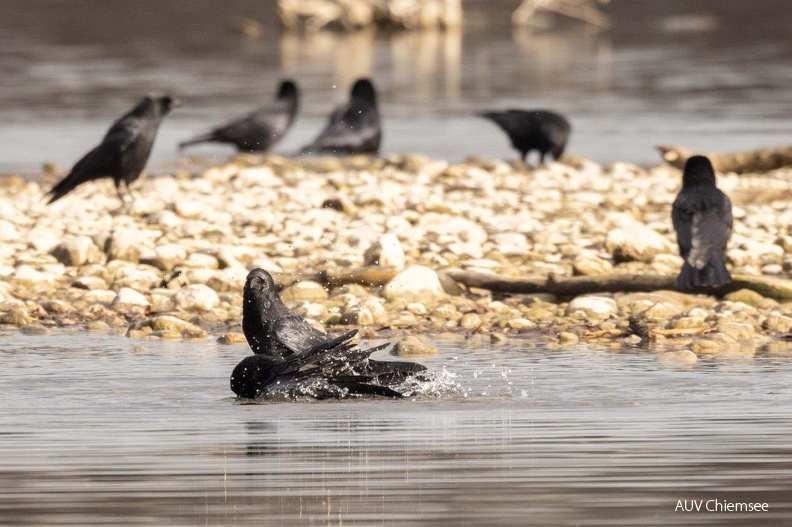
{"points": [[288, 347], [354, 128], [702, 219], [530, 130], [260, 130], [123, 152]]}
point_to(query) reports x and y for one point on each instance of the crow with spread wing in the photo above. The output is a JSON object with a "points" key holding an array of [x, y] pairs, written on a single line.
{"points": [[288, 347]]}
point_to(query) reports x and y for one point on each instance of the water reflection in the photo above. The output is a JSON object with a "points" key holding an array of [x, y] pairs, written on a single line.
{"points": [[652, 78]]}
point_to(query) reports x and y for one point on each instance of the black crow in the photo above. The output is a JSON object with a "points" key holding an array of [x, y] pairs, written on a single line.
{"points": [[340, 367], [354, 128], [702, 219], [260, 130], [123, 152], [287, 344], [530, 130]]}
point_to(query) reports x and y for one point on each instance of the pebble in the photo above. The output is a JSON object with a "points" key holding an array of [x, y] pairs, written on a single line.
{"points": [[304, 290], [591, 306], [567, 338], [414, 345], [232, 338], [385, 252], [77, 251], [358, 316], [678, 357], [519, 324], [128, 299], [636, 242], [16, 317], [196, 298], [470, 321], [417, 283], [190, 255]]}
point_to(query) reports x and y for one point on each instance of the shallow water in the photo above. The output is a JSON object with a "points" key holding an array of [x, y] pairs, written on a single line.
{"points": [[96, 433], [711, 74]]}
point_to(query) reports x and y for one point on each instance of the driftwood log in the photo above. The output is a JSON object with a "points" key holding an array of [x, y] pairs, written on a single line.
{"points": [[370, 276], [350, 15], [776, 288], [586, 10], [762, 160]]}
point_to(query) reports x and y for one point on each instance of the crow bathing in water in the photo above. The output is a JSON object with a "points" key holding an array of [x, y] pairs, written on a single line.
{"points": [[702, 220], [354, 128], [260, 130], [530, 130], [123, 152], [288, 347]]}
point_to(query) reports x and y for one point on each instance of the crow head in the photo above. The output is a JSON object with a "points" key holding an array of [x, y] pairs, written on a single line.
{"points": [[698, 171], [287, 90], [363, 90], [167, 103]]}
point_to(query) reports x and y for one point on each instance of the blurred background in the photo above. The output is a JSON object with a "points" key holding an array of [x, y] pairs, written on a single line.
{"points": [[709, 74]]}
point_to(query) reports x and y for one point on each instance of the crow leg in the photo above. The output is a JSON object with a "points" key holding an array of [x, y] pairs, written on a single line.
{"points": [[118, 190], [541, 158], [125, 198], [129, 191]]}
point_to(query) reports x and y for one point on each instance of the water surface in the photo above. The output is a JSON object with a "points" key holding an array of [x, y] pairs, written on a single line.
{"points": [[94, 432], [712, 74]]}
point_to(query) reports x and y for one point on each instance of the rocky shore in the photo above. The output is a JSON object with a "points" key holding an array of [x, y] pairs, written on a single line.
{"points": [[173, 264]]}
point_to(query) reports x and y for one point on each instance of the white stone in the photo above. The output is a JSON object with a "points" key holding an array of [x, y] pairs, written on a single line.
{"points": [[589, 264], [162, 300], [167, 256], [262, 176], [124, 244], [140, 278], [102, 296], [165, 218], [196, 297], [415, 283], [510, 243], [189, 209], [376, 309], [201, 261], [636, 242], [592, 306], [43, 239], [89, 282], [77, 251], [385, 252], [304, 290], [358, 316], [8, 233], [29, 277], [127, 298]]}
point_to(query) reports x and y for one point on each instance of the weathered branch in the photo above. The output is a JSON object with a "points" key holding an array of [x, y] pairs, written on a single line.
{"points": [[585, 10], [761, 160], [567, 286], [767, 286], [370, 276]]}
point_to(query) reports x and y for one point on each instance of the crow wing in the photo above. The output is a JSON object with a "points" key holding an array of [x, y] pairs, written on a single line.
{"points": [[682, 219], [710, 231], [297, 336], [347, 130]]}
